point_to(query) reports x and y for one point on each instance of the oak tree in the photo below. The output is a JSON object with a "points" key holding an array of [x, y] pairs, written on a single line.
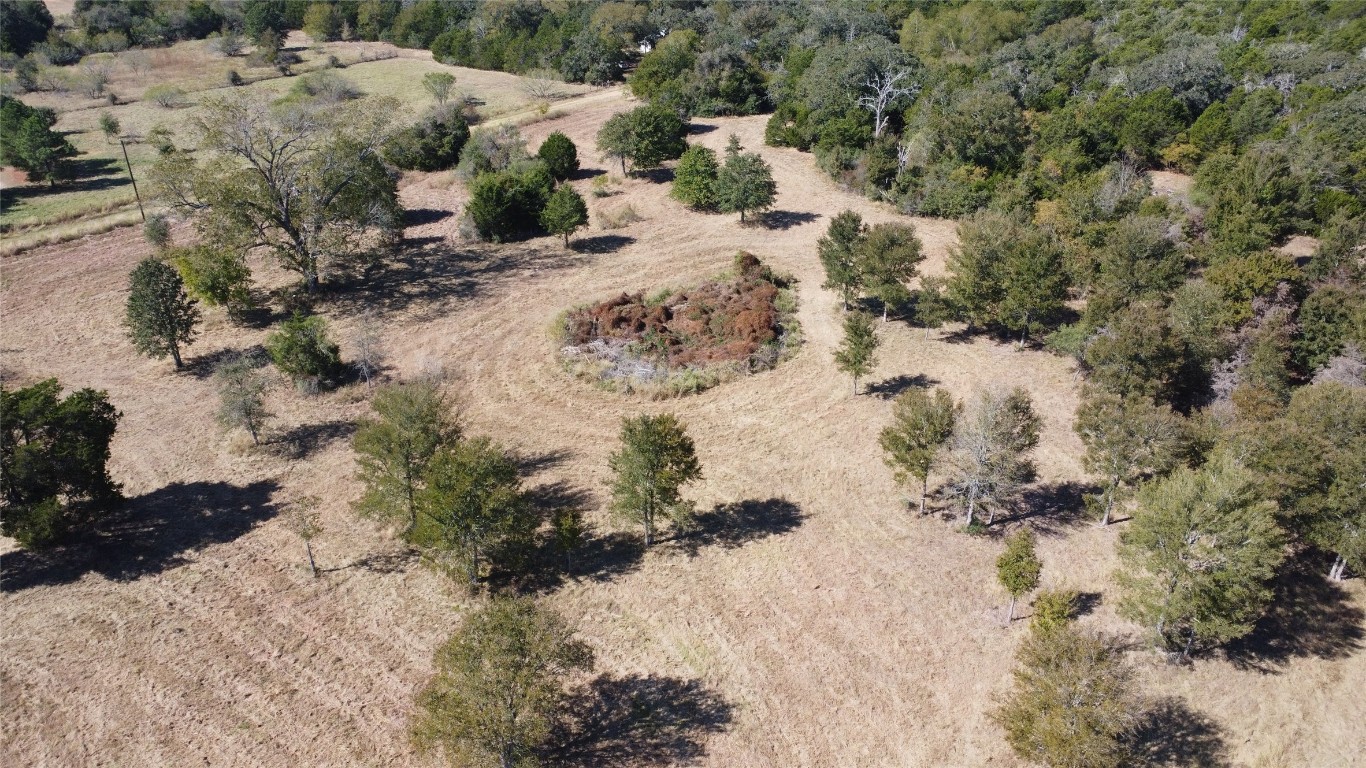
{"points": [[920, 427], [471, 507], [415, 420], [499, 680], [1198, 556], [857, 352], [657, 458], [991, 446]]}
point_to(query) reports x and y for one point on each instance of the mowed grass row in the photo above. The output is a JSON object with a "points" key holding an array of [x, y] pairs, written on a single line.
{"points": [[34, 214]]}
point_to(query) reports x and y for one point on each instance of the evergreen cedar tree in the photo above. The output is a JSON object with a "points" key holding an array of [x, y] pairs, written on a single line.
{"points": [[303, 349], [695, 179], [415, 420], [54, 453], [499, 683], [505, 204], [991, 445], [857, 353], [881, 259], [888, 257], [912, 443], [1018, 568], [471, 508], [240, 386], [1198, 556], [560, 155], [564, 213], [160, 316], [30, 144], [433, 144], [1073, 704], [744, 182], [1310, 458], [656, 459]]}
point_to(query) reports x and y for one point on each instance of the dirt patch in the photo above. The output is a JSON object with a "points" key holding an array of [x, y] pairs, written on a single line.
{"points": [[12, 177], [739, 322]]}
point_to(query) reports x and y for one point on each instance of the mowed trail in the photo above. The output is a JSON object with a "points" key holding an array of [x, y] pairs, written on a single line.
{"points": [[860, 635]]}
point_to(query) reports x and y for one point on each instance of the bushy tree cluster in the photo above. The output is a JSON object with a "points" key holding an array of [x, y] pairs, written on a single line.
{"points": [[879, 260], [645, 137]]}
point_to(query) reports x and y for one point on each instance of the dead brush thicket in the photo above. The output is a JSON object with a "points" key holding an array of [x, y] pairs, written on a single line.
{"points": [[682, 342]]}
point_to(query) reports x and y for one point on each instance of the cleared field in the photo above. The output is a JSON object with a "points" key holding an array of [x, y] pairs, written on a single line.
{"points": [[102, 194], [821, 624]]}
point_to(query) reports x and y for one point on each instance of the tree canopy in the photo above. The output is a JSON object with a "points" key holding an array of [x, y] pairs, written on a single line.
{"points": [[54, 456], [304, 180]]}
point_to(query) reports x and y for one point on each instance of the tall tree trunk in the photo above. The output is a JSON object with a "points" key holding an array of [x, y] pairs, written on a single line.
{"points": [[251, 427], [972, 500], [1339, 566], [742, 215], [175, 355], [924, 491], [1190, 640], [1109, 503], [884, 311], [991, 515], [855, 386], [312, 566], [623, 165], [566, 240], [1010, 615]]}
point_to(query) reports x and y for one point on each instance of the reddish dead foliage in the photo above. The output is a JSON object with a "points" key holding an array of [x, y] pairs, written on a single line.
{"points": [[717, 321]]}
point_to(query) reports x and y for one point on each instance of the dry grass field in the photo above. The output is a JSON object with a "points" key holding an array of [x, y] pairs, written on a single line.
{"points": [[813, 621]]}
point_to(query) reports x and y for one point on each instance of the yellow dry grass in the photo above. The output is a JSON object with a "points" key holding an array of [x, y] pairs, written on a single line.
{"points": [[862, 636]]}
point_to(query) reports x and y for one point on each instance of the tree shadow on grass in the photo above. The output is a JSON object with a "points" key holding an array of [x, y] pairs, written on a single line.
{"points": [[425, 281], [655, 175], [888, 389], [85, 175], [601, 243], [1171, 734], [637, 721], [204, 366], [597, 558], [531, 463], [785, 220], [1309, 617], [304, 440], [734, 525], [416, 217], [1052, 508], [154, 532]]}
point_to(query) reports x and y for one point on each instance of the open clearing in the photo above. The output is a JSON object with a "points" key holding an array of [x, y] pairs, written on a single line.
{"points": [[826, 626]]}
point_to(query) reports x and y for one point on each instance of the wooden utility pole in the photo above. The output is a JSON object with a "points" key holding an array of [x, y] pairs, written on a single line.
{"points": [[124, 147]]}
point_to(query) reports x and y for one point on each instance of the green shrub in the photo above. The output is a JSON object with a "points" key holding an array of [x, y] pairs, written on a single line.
{"points": [[303, 350], [695, 179], [560, 155]]}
